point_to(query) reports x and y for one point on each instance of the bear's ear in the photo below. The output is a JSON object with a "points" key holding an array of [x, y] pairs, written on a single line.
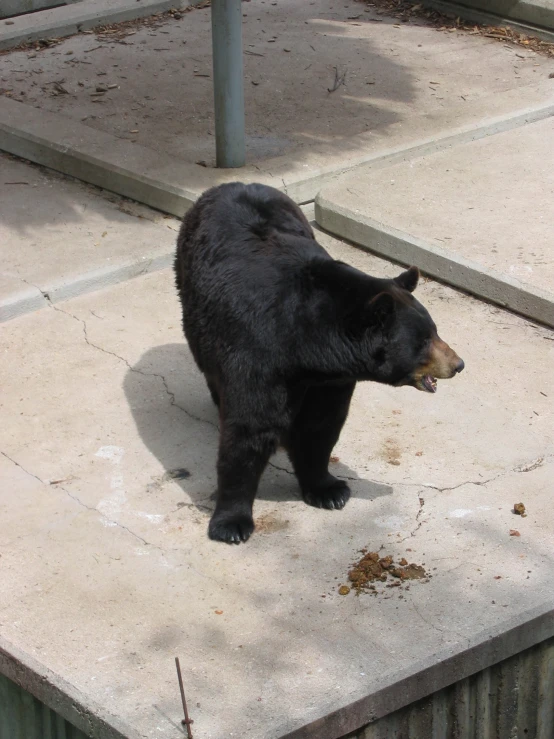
{"points": [[380, 309], [408, 280]]}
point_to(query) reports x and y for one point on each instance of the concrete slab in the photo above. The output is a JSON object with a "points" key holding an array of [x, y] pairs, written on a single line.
{"points": [[80, 16], [154, 122], [107, 573], [478, 216], [61, 238]]}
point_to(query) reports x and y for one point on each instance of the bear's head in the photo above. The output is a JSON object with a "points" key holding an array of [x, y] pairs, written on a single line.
{"points": [[409, 350]]}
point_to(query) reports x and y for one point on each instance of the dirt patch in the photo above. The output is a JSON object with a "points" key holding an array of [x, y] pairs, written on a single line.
{"points": [[372, 570], [268, 523], [391, 452]]}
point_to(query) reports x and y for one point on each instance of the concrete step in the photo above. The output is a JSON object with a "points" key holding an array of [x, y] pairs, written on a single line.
{"points": [[60, 238], [478, 216]]}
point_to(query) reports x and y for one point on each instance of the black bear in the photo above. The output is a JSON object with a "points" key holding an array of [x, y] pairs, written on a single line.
{"points": [[282, 333]]}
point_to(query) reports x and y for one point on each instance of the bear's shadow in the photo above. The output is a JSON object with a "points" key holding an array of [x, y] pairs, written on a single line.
{"points": [[178, 423]]}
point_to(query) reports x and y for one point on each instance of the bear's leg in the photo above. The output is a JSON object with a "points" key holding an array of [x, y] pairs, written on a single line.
{"points": [[243, 454], [314, 433]]}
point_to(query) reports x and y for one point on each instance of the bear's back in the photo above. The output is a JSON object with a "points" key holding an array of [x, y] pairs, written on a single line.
{"points": [[237, 221], [241, 261]]}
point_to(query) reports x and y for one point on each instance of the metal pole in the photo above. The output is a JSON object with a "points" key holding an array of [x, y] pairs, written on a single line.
{"points": [[228, 82]]}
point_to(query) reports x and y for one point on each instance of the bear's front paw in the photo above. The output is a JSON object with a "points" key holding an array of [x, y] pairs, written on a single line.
{"points": [[232, 528], [331, 494]]}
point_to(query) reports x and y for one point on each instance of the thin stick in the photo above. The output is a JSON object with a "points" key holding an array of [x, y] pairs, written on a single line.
{"points": [[186, 720], [340, 79]]}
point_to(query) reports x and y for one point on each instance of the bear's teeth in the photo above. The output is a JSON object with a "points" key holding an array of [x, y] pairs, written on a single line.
{"points": [[430, 383]]}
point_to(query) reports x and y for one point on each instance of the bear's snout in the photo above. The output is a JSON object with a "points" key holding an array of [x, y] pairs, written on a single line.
{"points": [[442, 363]]}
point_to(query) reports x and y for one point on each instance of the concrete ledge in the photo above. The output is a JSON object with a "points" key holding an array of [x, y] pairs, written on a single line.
{"points": [[441, 264], [439, 671], [535, 12], [481, 11], [485, 649], [172, 186], [495, 702], [59, 695], [475, 216], [22, 302], [98, 279], [31, 300], [82, 16], [9, 8], [98, 158]]}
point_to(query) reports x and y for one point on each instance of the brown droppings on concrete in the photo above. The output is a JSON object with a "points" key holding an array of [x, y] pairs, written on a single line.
{"points": [[371, 569], [409, 572], [519, 509]]}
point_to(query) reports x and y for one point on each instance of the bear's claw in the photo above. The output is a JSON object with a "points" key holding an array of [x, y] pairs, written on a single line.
{"points": [[333, 494], [229, 528]]}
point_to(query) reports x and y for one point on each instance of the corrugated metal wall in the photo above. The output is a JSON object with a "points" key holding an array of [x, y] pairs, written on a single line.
{"points": [[22, 716], [511, 700]]}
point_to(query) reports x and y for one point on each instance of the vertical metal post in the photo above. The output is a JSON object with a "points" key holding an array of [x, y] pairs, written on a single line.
{"points": [[228, 82]]}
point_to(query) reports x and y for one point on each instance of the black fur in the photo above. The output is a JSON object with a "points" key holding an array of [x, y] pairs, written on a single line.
{"points": [[282, 333]]}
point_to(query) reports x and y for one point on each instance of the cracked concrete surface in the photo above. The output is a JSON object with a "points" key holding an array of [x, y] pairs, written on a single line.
{"points": [[106, 573]]}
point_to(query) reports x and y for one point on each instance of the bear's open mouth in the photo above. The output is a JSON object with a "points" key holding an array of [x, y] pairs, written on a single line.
{"points": [[428, 383]]}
